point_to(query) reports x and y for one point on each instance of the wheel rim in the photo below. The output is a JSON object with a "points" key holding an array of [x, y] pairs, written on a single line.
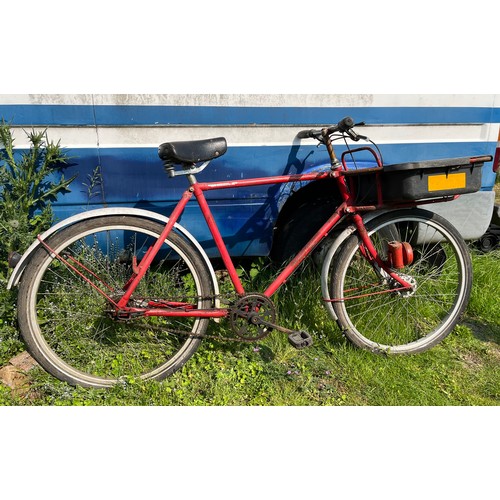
{"points": [[73, 329], [399, 322]]}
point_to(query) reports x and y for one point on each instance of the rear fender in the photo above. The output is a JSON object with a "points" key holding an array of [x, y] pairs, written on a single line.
{"points": [[146, 214]]}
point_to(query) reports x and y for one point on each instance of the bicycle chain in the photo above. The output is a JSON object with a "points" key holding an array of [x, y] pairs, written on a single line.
{"points": [[226, 339], [204, 335], [272, 326], [262, 322]]}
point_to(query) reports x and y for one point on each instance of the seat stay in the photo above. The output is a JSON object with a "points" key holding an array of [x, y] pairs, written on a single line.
{"points": [[148, 259]]}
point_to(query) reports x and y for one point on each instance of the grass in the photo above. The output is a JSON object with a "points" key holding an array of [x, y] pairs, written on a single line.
{"points": [[462, 370]]}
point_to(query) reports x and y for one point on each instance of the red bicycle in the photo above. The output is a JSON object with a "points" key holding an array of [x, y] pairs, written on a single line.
{"points": [[118, 293]]}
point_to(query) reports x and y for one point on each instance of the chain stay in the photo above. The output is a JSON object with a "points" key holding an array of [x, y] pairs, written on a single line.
{"points": [[255, 320]]}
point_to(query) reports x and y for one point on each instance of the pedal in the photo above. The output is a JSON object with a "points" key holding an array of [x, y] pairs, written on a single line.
{"points": [[300, 339]]}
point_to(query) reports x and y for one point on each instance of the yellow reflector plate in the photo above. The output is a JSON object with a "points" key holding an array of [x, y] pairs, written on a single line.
{"points": [[444, 182]]}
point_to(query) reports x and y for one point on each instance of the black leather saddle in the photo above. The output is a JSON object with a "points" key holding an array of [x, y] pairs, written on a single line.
{"points": [[192, 151]]}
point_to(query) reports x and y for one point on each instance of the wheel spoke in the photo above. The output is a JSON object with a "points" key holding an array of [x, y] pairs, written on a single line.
{"points": [[403, 320], [72, 325]]}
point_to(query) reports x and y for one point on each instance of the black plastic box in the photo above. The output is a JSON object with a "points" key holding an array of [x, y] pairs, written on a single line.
{"points": [[422, 180]]}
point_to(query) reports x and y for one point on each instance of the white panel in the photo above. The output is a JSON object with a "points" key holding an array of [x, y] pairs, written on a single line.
{"points": [[259, 100], [78, 137]]}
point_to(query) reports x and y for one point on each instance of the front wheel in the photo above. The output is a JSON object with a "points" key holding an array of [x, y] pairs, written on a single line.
{"points": [[374, 313], [69, 327]]}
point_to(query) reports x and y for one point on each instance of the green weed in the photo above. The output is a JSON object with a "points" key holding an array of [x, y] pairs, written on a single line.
{"points": [[462, 370]]}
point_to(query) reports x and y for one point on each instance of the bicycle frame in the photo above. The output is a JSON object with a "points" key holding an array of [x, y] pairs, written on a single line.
{"points": [[197, 189]]}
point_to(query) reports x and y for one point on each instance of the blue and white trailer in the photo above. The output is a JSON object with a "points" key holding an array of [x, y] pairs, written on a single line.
{"points": [[113, 142]]}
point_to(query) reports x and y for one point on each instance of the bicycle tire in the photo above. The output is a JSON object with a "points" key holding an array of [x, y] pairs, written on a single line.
{"points": [[66, 323], [402, 322]]}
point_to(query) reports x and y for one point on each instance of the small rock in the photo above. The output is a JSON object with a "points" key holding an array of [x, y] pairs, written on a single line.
{"points": [[13, 378], [23, 362], [14, 375]]}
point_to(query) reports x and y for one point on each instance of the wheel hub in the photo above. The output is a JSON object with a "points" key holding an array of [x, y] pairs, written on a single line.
{"points": [[408, 292]]}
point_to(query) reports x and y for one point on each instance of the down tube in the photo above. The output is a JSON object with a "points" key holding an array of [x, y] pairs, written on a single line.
{"points": [[304, 253]]}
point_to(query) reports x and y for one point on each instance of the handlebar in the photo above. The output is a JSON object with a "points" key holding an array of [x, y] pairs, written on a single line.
{"points": [[344, 126]]}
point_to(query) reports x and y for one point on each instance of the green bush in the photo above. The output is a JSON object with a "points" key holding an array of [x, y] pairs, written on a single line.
{"points": [[29, 182]]}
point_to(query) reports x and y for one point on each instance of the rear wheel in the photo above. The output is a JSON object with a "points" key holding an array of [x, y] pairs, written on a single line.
{"points": [[369, 309], [69, 327]]}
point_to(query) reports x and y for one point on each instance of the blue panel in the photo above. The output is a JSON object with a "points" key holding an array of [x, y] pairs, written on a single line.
{"points": [[111, 115], [208, 115], [46, 115], [135, 177]]}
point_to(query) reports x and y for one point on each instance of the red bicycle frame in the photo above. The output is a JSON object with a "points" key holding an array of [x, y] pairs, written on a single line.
{"points": [[198, 188], [346, 208]]}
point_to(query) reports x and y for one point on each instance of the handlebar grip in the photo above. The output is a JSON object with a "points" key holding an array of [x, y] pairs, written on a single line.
{"points": [[305, 134], [345, 124]]}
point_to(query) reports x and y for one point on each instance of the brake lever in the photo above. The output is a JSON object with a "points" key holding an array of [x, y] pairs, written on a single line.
{"points": [[354, 135]]}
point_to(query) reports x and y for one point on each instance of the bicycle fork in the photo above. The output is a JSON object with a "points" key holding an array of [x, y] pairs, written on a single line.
{"points": [[399, 254]]}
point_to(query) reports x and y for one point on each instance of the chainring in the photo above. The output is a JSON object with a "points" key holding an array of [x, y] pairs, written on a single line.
{"points": [[250, 316]]}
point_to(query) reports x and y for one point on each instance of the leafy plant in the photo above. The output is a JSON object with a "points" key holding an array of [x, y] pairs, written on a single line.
{"points": [[94, 186], [30, 182]]}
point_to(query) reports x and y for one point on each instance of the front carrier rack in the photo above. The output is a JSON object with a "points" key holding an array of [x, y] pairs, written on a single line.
{"points": [[413, 181]]}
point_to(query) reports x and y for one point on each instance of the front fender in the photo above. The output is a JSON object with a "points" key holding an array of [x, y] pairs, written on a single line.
{"points": [[332, 249], [146, 214]]}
